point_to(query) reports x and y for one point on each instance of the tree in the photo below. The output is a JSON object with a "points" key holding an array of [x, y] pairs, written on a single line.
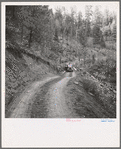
{"points": [[36, 19], [28, 24], [73, 22], [113, 28], [97, 34], [59, 20], [106, 32], [79, 19], [107, 18], [97, 16], [68, 25], [82, 39], [114, 33], [12, 24], [56, 35], [88, 16]]}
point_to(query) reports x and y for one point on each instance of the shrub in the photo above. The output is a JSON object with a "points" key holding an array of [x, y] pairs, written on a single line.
{"points": [[90, 86], [110, 45], [102, 43], [105, 70], [89, 42]]}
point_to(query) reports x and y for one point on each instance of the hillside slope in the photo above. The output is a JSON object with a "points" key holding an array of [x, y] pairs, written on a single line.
{"points": [[24, 65], [21, 70]]}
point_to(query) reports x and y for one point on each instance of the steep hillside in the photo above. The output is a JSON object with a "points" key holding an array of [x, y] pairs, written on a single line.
{"points": [[21, 69], [24, 65]]}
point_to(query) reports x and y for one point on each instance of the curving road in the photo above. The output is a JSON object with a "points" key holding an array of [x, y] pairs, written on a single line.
{"points": [[57, 107], [55, 98], [44, 99]]}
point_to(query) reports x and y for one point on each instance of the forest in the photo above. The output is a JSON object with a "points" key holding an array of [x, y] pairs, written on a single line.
{"points": [[40, 42]]}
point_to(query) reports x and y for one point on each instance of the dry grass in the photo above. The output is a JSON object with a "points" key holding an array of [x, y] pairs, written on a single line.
{"points": [[90, 98]]}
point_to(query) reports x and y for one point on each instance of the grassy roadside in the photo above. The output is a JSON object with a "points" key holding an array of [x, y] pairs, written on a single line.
{"points": [[89, 99]]}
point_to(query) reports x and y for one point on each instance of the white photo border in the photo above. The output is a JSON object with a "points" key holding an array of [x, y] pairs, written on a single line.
{"points": [[58, 132]]}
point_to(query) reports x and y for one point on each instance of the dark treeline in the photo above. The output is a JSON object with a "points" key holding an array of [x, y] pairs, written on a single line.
{"points": [[26, 25]]}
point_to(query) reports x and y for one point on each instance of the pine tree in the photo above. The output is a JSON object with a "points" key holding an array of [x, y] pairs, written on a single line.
{"points": [[114, 33]]}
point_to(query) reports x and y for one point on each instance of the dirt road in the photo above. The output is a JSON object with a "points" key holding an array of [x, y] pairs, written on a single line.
{"points": [[47, 94], [19, 109], [55, 98], [57, 107]]}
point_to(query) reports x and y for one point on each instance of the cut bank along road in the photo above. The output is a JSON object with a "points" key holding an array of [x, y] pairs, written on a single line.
{"points": [[44, 99]]}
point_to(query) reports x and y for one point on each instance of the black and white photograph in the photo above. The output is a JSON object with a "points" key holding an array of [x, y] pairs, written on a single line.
{"points": [[61, 61]]}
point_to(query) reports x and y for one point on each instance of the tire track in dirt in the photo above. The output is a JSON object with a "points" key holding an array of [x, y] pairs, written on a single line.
{"points": [[19, 108], [56, 105]]}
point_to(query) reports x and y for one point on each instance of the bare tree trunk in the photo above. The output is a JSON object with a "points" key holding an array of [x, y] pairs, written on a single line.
{"points": [[106, 38], [67, 38], [84, 55], [60, 59], [13, 12], [21, 33], [79, 56], [71, 32], [30, 38]]}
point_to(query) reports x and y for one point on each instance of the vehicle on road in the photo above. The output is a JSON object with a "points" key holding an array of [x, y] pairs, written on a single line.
{"points": [[69, 68]]}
